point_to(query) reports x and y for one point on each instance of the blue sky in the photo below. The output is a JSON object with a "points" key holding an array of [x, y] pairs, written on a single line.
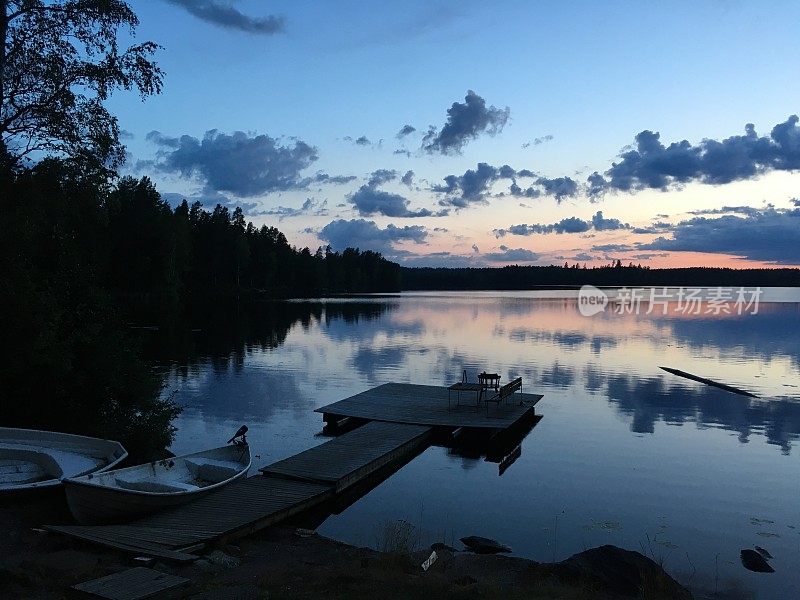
{"points": [[560, 90]]}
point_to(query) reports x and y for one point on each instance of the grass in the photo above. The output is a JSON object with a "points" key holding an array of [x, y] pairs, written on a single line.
{"points": [[398, 537]]}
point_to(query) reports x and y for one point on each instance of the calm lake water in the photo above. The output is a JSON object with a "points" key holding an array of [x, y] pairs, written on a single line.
{"points": [[624, 454]]}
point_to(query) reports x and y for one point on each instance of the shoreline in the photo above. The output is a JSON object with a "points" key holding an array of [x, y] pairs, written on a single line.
{"points": [[291, 562]]}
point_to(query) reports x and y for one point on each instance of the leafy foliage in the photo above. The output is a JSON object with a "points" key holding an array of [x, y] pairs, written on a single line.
{"points": [[68, 363], [59, 61]]}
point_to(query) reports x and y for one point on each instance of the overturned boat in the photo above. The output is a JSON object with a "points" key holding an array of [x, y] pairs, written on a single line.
{"points": [[123, 494], [31, 459]]}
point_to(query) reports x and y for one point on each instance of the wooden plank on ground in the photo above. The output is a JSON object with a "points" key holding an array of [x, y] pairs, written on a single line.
{"points": [[134, 584]]}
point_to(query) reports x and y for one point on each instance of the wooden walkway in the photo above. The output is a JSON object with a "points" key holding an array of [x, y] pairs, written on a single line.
{"points": [[289, 487], [346, 460], [428, 405]]}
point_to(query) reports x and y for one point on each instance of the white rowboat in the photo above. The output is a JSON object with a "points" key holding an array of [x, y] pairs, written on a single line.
{"points": [[124, 494], [31, 459]]}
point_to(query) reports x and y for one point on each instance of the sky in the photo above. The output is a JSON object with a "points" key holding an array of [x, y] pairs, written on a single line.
{"points": [[483, 134]]}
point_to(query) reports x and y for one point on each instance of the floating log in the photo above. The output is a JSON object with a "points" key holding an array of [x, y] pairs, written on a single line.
{"points": [[711, 382]]}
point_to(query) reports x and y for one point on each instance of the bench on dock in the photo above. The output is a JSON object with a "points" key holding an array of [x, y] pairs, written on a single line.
{"points": [[504, 393]]}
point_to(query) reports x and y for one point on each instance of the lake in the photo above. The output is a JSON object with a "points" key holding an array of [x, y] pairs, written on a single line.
{"points": [[625, 453]]}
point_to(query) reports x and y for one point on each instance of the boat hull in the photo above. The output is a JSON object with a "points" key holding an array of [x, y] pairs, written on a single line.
{"points": [[98, 505], [123, 495], [34, 460]]}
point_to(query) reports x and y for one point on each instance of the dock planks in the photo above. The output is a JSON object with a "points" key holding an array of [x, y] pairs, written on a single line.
{"points": [[237, 509], [134, 584], [345, 460], [427, 405]]}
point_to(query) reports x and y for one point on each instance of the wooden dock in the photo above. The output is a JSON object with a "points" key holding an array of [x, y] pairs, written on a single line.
{"points": [[428, 405], [400, 420], [288, 487], [348, 459]]}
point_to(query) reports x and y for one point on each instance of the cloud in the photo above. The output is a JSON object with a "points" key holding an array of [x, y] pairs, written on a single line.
{"points": [[465, 122], [321, 177], [475, 249], [361, 140], [560, 187], [471, 187], [529, 192], [600, 223], [227, 16], [596, 186], [443, 259], [568, 225], [742, 210], [360, 233], [538, 141], [381, 176], [656, 227], [652, 165], [238, 163], [408, 178], [612, 248], [507, 254], [370, 200], [475, 185], [771, 235], [403, 151], [309, 207], [405, 130]]}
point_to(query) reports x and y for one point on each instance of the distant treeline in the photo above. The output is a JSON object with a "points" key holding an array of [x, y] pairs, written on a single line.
{"points": [[616, 274], [155, 249]]}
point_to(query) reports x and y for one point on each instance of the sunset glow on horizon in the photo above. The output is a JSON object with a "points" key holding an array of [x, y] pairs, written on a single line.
{"points": [[455, 134]]}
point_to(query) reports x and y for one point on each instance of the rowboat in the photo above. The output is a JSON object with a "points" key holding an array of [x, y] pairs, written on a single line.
{"points": [[123, 494], [31, 459]]}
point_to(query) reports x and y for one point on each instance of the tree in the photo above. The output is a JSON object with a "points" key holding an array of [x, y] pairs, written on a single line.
{"points": [[59, 61]]}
